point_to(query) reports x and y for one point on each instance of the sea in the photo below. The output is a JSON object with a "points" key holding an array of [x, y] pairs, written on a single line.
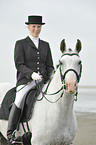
{"points": [[86, 99]]}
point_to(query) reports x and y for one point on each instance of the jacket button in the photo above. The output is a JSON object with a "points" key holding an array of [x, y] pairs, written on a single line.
{"points": [[38, 68], [37, 62], [37, 52], [38, 57]]}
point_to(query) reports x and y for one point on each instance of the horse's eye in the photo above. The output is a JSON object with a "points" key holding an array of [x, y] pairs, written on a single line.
{"points": [[60, 62], [79, 62]]}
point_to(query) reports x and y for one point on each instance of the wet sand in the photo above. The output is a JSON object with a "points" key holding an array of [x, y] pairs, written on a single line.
{"points": [[86, 133]]}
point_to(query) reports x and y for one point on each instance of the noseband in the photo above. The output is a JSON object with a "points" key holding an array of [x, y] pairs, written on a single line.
{"points": [[77, 75]]}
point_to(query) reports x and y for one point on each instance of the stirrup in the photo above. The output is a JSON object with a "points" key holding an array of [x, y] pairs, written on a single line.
{"points": [[15, 140]]}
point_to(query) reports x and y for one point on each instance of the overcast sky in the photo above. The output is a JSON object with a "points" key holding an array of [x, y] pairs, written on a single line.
{"points": [[65, 19]]}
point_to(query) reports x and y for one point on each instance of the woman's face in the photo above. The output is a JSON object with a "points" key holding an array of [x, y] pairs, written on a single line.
{"points": [[34, 29]]}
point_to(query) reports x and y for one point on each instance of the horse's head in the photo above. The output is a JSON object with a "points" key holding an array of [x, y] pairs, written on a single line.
{"points": [[70, 66]]}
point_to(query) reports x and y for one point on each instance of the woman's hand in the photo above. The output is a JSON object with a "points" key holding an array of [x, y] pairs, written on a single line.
{"points": [[36, 76]]}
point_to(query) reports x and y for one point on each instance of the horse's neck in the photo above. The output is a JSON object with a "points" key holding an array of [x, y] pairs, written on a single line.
{"points": [[55, 83], [54, 113], [66, 102]]}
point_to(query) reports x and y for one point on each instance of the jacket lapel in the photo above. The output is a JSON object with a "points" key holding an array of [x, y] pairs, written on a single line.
{"points": [[40, 44], [30, 42]]}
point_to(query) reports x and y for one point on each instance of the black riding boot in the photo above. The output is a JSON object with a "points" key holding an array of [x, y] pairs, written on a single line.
{"points": [[13, 121]]}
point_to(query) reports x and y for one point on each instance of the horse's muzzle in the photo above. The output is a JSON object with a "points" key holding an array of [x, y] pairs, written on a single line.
{"points": [[71, 87]]}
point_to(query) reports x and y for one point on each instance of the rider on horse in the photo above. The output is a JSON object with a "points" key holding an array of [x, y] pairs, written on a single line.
{"points": [[33, 61]]}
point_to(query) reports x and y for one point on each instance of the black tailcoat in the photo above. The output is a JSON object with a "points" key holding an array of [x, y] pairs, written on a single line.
{"points": [[29, 59]]}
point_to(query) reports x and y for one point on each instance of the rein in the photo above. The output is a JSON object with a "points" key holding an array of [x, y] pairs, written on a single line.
{"points": [[45, 93]]}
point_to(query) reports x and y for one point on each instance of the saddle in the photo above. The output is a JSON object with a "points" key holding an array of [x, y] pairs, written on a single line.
{"points": [[28, 105]]}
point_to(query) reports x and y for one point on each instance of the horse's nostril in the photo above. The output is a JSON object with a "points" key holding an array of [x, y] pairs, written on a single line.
{"points": [[70, 91]]}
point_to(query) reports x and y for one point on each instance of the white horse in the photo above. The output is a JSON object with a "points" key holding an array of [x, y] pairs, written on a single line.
{"points": [[54, 121]]}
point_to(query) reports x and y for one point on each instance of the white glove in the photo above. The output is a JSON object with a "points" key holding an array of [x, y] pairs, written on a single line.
{"points": [[36, 76]]}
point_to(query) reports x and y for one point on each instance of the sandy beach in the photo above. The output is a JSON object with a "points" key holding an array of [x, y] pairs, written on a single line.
{"points": [[86, 133]]}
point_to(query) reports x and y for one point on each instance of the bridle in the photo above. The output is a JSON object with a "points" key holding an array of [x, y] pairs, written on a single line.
{"points": [[68, 70], [62, 76]]}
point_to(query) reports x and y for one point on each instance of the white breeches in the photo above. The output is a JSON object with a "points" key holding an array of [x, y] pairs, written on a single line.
{"points": [[21, 94]]}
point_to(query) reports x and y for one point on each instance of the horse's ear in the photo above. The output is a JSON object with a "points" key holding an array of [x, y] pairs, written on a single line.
{"points": [[63, 46], [78, 46]]}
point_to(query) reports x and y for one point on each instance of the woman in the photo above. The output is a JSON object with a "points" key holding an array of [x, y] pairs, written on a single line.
{"points": [[33, 62]]}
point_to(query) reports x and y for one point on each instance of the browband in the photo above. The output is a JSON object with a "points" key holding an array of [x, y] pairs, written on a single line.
{"points": [[70, 54]]}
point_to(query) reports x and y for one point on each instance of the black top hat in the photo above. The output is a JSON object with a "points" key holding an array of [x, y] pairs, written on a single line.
{"points": [[34, 20]]}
